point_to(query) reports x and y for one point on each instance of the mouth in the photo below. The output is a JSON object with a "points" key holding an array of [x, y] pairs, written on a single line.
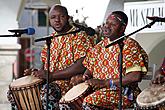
{"points": [[57, 25], [106, 32]]}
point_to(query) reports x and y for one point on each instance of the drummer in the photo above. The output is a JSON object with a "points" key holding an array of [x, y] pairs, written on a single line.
{"points": [[160, 74], [103, 67], [66, 54]]}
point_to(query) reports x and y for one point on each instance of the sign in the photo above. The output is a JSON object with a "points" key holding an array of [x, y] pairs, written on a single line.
{"points": [[138, 11], [29, 54]]}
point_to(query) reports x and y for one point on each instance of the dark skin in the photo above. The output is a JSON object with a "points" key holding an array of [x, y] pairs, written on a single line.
{"points": [[159, 77], [130, 78], [59, 22], [114, 29], [74, 69]]}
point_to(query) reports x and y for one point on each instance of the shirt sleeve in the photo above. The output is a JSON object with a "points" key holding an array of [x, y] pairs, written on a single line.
{"points": [[44, 56], [89, 60], [81, 44], [134, 57]]}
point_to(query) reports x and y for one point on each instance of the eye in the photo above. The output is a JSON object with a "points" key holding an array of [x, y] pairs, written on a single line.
{"points": [[52, 17], [113, 24], [62, 16]]}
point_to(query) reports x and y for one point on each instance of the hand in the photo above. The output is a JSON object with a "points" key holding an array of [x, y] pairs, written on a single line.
{"points": [[97, 84], [77, 79], [29, 71], [39, 73], [159, 78], [87, 75]]}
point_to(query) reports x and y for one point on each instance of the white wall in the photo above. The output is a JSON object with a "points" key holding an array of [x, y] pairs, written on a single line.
{"points": [[113, 6], [94, 10], [8, 20]]}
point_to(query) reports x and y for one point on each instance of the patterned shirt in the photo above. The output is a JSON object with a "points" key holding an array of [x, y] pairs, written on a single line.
{"points": [[64, 51], [103, 64]]}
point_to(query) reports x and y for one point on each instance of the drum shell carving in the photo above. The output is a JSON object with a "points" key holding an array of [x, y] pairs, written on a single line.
{"points": [[27, 94]]}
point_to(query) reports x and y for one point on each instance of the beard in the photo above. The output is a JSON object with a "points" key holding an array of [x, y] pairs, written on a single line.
{"points": [[62, 29]]}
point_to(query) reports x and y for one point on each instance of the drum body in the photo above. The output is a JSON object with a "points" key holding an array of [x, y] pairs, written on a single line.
{"points": [[74, 97], [152, 98], [26, 93]]}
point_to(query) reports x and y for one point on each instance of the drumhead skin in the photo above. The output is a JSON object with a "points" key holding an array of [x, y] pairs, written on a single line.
{"points": [[25, 81], [75, 91], [152, 96]]}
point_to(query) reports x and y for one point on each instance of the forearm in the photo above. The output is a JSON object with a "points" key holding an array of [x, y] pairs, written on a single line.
{"points": [[74, 69], [129, 79], [87, 75]]}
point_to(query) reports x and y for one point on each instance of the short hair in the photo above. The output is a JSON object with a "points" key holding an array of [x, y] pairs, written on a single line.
{"points": [[122, 15], [58, 6]]}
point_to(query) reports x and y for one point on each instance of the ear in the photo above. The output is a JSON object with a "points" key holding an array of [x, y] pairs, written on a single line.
{"points": [[123, 27], [49, 23], [70, 17]]}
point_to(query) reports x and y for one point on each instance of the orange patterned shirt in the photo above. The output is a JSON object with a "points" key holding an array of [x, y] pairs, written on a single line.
{"points": [[103, 64], [65, 50]]}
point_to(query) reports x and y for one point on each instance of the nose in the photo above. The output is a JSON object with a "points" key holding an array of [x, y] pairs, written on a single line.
{"points": [[106, 28], [106, 25], [57, 18], [106, 31]]}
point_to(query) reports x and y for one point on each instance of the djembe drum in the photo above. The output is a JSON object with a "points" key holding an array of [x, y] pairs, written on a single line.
{"points": [[26, 93], [152, 98], [74, 97]]}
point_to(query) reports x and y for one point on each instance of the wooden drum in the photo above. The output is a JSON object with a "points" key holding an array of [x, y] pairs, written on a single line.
{"points": [[74, 97], [26, 93]]}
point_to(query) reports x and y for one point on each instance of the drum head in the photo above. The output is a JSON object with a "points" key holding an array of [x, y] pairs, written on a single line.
{"points": [[151, 96], [25, 81], [75, 92]]}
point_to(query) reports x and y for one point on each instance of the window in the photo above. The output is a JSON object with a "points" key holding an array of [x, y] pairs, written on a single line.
{"points": [[42, 19]]}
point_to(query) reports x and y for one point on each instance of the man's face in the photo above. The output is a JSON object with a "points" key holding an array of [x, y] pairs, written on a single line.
{"points": [[58, 20], [113, 27]]}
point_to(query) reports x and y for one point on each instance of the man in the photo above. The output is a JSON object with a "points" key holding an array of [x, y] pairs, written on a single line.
{"points": [[103, 67], [160, 74], [66, 55]]}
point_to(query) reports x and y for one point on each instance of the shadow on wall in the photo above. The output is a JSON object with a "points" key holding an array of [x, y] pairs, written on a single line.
{"points": [[157, 54]]}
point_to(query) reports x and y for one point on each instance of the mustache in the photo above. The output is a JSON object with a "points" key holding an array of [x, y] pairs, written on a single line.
{"points": [[106, 31]]}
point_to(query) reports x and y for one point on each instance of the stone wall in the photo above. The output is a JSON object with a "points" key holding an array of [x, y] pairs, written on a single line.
{"points": [[8, 54]]}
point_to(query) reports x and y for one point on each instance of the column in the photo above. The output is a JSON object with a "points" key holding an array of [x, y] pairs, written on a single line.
{"points": [[8, 54]]}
